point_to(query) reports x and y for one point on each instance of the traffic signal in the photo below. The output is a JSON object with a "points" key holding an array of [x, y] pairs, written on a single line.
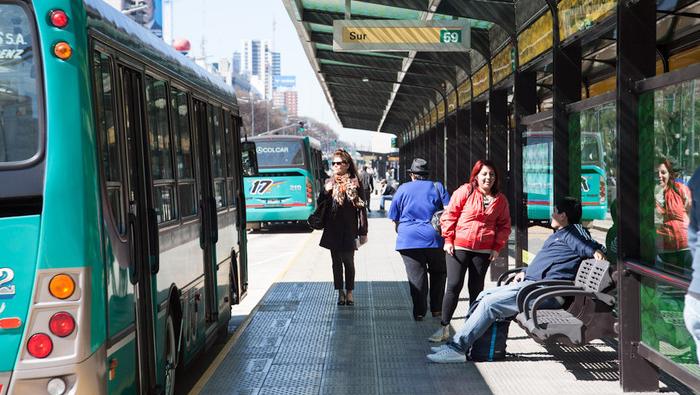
{"points": [[301, 127]]}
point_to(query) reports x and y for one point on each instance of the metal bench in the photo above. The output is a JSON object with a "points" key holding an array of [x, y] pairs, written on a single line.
{"points": [[588, 316]]}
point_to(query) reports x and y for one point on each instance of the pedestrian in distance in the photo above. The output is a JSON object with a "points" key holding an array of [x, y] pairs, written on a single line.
{"points": [[476, 226], [559, 259], [367, 185], [420, 246], [691, 311], [345, 223], [387, 192]]}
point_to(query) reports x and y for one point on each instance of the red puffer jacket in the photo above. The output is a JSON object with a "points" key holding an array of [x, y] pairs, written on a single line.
{"points": [[466, 224]]}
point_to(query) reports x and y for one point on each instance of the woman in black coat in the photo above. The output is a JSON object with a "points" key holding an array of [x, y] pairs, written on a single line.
{"points": [[345, 223]]}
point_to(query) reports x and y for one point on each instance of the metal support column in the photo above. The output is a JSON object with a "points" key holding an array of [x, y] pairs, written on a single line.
{"points": [[525, 103], [566, 85], [452, 156], [477, 143], [498, 154], [463, 141], [439, 148], [636, 59], [498, 129]]}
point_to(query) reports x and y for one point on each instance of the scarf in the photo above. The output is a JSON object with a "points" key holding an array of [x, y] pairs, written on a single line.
{"points": [[344, 186]]}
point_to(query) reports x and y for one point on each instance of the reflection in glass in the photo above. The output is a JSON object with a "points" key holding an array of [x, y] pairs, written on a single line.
{"points": [[164, 202], [19, 123]]}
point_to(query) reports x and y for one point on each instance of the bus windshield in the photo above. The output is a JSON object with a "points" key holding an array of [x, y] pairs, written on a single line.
{"points": [[19, 123], [282, 153]]}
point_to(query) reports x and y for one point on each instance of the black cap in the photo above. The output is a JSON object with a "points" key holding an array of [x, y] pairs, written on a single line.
{"points": [[419, 166]]}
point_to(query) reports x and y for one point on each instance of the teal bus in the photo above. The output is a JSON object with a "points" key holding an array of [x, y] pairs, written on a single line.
{"points": [[121, 223], [538, 177], [289, 179]]}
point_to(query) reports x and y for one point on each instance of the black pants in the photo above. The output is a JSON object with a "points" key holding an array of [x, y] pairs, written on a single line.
{"points": [[457, 266], [420, 263], [343, 259]]}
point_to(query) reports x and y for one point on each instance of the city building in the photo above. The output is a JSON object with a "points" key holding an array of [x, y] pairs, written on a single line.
{"points": [[256, 62]]}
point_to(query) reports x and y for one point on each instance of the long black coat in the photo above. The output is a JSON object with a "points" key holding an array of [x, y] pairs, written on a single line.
{"points": [[342, 224]]}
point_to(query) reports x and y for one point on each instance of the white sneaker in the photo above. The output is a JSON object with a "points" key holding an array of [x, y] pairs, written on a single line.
{"points": [[440, 335], [436, 349], [447, 355]]}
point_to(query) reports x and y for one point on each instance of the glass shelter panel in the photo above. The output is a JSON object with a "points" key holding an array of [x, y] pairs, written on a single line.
{"points": [[669, 155], [538, 179], [598, 181]]}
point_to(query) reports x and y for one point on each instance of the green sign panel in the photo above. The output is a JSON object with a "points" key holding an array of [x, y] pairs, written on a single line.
{"points": [[451, 36]]}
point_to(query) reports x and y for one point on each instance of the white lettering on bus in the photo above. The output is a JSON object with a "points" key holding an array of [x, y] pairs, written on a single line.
{"points": [[12, 39], [11, 53], [272, 150]]}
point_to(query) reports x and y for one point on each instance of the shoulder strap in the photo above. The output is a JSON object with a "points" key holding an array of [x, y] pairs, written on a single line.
{"points": [[437, 190]]}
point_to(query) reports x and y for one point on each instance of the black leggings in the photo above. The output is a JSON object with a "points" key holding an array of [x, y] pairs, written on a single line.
{"points": [[343, 259], [457, 266]]}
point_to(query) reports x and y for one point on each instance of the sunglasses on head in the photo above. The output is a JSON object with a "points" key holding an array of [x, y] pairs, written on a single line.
{"points": [[339, 163]]}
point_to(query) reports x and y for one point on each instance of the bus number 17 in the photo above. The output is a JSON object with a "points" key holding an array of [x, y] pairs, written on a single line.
{"points": [[260, 187]]}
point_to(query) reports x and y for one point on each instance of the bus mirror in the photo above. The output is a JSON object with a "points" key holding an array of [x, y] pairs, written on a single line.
{"points": [[249, 159]]}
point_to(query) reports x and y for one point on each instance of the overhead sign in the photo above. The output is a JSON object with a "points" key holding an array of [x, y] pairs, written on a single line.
{"points": [[401, 35]]}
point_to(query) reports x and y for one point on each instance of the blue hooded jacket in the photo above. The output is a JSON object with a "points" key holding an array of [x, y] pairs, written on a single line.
{"points": [[562, 253]]}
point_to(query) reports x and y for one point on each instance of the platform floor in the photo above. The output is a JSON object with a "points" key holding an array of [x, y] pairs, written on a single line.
{"points": [[298, 341]]}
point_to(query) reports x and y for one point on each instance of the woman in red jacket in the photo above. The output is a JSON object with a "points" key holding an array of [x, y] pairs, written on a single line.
{"points": [[476, 226]]}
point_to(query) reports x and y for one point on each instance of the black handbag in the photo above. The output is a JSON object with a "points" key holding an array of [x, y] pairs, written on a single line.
{"points": [[317, 219]]}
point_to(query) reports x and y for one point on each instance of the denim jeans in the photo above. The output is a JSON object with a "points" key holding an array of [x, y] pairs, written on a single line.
{"points": [[491, 305], [383, 199], [691, 314]]}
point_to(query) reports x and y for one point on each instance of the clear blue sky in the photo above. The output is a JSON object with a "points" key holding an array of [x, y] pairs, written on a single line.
{"points": [[224, 23]]}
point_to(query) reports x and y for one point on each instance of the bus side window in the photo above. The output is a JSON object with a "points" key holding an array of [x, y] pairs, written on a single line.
{"points": [[230, 154], [161, 150], [218, 155], [109, 137], [184, 153]]}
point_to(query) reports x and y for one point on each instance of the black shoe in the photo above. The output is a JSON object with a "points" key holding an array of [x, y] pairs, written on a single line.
{"points": [[341, 299], [418, 318], [350, 302]]}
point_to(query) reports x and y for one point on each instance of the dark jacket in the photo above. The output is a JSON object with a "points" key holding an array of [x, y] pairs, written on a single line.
{"points": [[342, 224], [562, 253], [366, 182]]}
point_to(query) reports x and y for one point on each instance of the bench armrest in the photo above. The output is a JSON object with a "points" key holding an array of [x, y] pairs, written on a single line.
{"points": [[504, 277], [553, 294], [536, 285], [531, 296]]}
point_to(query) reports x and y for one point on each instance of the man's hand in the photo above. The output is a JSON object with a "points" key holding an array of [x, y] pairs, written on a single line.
{"points": [[599, 255], [363, 239], [494, 255], [449, 248], [519, 277]]}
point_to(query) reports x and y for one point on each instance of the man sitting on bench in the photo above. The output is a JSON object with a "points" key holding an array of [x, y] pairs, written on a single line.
{"points": [[558, 259]]}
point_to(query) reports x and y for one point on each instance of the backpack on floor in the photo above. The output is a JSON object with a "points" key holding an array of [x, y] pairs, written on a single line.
{"points": [[491, 346]]}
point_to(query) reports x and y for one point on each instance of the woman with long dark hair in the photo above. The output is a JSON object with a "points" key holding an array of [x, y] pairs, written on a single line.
{"points": [[345, 223], [476, 226]]}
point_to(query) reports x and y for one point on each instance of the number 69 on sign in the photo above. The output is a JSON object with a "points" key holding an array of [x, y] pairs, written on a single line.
{"points": [[450, 36]]}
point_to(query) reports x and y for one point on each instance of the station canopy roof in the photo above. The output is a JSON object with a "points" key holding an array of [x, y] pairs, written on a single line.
{"points": [[385, 91]]}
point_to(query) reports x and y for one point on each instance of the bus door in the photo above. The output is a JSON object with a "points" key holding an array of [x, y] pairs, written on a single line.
{"points": [[207, 205], [142, 225]]}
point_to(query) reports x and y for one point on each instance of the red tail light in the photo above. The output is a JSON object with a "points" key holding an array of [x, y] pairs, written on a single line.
{"points": [[602, 190], [58, 18], [62, 324], [40, 345], [309, 192]]}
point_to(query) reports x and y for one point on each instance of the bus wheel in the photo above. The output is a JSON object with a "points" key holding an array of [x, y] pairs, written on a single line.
{"points": [[170, 357]]}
